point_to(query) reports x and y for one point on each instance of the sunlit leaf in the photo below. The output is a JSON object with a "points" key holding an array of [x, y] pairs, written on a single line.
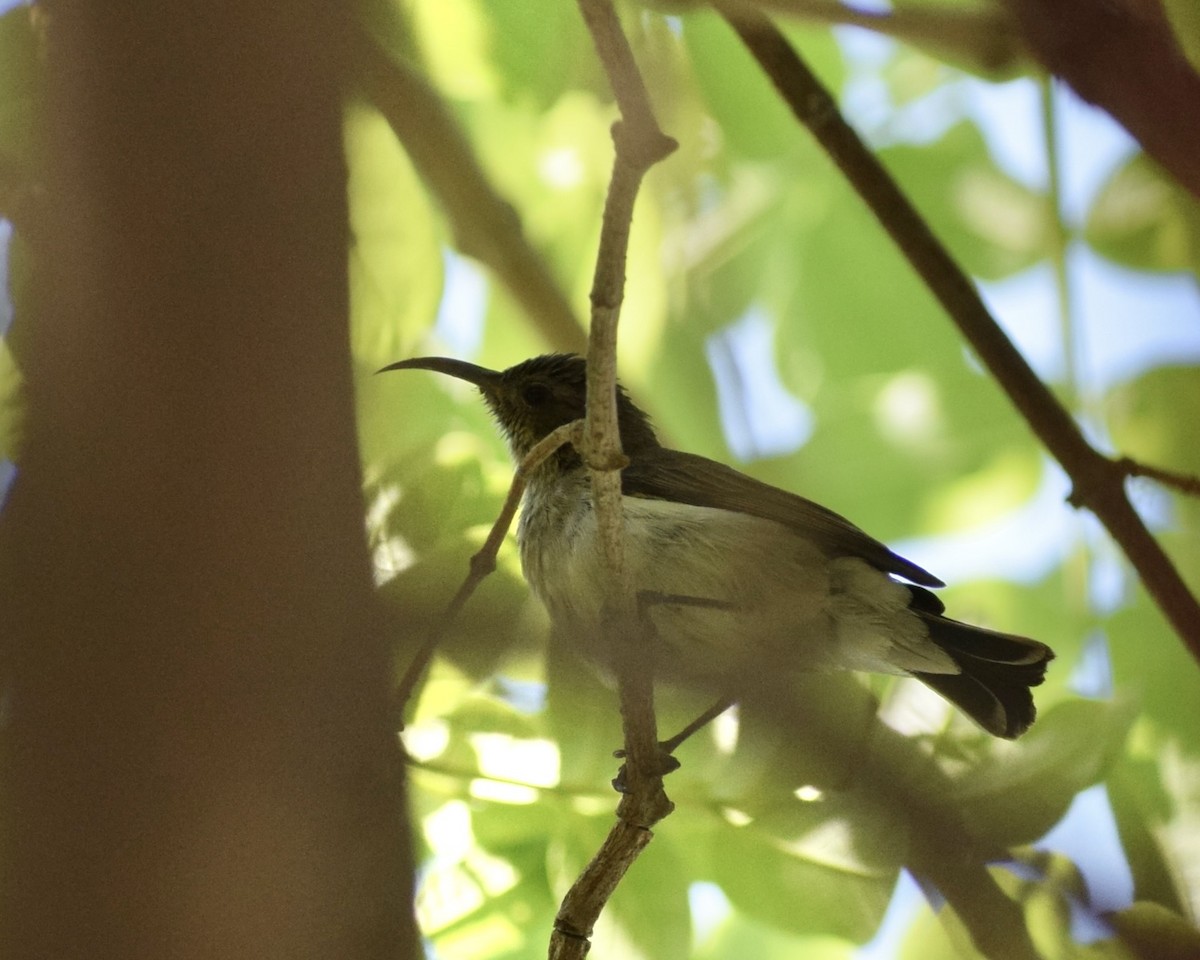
{"points": [[993, 224], [20, 86], [1025, 788], [1142, 220], [1152, 932], [767, 881], [12, 407], [395, 257]]}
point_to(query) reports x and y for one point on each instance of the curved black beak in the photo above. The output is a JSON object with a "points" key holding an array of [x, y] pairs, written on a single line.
{"points": [[482, 377]]}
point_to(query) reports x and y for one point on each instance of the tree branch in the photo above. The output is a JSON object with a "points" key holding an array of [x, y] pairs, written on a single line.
{"points": [[1123, 56], [1182, 482], [639, 144], [485, 225], [482, 563], [1098, 481], [986, 38]]}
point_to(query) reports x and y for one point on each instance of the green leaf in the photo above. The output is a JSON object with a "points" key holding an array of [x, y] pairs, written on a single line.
{"points": [[994, 225], [1185, 20], [1152, 932], [1150, 662], [754, 120], [1027, 786], [1142, 220], [395, 254], [739, 936], [21, 79], [1151, 418], [538, 47], [12, 406], [772, 882]]}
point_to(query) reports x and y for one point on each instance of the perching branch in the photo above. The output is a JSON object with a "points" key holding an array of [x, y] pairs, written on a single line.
{"points": [[485, 225], [1098, 481], [483, 562], [639, 145]]}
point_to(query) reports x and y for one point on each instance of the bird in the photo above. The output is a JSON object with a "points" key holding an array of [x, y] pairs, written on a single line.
{"points": [[734, 576]]}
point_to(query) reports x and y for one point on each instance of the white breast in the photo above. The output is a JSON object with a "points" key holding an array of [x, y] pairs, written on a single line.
{"points": [[759, 594]]}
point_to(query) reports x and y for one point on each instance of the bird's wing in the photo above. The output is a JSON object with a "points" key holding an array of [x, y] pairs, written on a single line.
{"points": [[688, 478]]}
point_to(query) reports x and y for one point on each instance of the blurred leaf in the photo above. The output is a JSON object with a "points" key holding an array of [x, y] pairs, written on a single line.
{"points": [[395, 256], [1185, 20], [455, 37], [994, 225], [1152, 418], [12, 406], [929, 939], [1142, 220], [753, 119], [21, 78], [1150, 662], [1140, 805], [1152, 932], [766, 880], [1025, 788], [539, 47], [739, 936]]}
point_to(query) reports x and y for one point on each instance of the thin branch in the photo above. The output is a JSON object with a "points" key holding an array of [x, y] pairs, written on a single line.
{"points": [[1098, 481], [639, 144], [1183, 482], [482, 563], [985, 39], [485, 225]]}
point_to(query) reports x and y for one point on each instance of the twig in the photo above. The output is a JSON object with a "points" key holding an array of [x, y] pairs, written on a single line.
{"points": [[1098, 481], [986, 39], [485, 226], [1183, 482], [639, 144], [482, 563]]}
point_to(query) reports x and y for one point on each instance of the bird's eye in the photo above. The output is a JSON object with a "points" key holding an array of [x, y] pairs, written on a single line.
{"points": [[535, 394]]}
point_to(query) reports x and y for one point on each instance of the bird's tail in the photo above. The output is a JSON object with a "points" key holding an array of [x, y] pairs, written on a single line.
{"points": [[997, 671]]}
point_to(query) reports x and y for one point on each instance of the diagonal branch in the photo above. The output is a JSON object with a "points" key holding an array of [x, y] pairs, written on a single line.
{"points": [[482, 563], [1098, 481]]}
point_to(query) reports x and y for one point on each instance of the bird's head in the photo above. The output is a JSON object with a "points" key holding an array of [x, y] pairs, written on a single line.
{"points": [[534, 397]]}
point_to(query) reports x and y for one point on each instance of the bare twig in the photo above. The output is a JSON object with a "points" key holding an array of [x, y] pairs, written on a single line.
{"points": [[639, 145], [485, 226], [483, 562], [1183, 482], [1098, 481], [984, 38]]}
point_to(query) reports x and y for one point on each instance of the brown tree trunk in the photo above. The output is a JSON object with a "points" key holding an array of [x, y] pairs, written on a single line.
{"points": [[197, 761]]}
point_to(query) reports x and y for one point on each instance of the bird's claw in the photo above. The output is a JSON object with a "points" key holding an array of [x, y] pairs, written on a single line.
{"points": [[665, 764]]}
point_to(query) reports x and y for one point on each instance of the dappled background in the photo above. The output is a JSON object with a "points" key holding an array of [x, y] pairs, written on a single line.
{"points": [[769, 323]]}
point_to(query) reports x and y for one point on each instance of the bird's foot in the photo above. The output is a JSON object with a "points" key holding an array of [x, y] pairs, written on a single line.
{"points": [[663, 764]]}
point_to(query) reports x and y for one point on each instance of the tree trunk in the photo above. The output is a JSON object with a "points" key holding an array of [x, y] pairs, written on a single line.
{"points": [[197, 761]]}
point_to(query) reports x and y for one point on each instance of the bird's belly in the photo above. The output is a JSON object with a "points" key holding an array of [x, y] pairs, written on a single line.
{"points": [[717, 591]]}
